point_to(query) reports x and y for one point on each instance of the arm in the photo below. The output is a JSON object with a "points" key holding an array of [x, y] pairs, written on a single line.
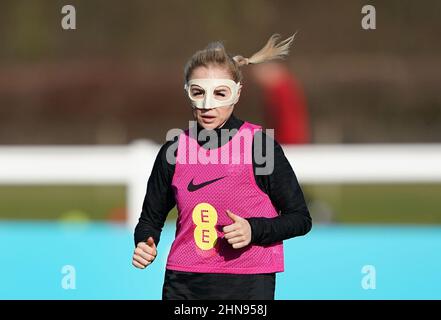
{"points": [[283, 189], [158, 201]]}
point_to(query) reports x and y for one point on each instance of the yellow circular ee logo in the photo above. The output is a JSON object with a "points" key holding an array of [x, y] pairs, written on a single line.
{"points": [[205, 218]]}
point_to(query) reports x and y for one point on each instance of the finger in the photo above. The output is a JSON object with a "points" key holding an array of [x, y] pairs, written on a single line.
{"points": [[137, 264], [231, 227], [239, 245], [141, 260], [142, 247], [145, 247], [233, 217], [151, 242], [236, 240], [232, 234], [147, 256]]}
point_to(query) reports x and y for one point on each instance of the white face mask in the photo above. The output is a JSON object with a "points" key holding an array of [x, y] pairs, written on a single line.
{"points": [[212, 93]]}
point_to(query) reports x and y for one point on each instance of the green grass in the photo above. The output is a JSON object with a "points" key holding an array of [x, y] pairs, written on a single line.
{"points": [[68, 202], [383, 203]]}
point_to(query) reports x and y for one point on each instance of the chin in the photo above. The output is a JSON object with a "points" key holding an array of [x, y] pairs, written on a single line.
{"points": [[209, 125]]}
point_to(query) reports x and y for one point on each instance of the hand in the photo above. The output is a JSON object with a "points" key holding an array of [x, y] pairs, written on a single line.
{"points": [[238, 234], [144, 254]]}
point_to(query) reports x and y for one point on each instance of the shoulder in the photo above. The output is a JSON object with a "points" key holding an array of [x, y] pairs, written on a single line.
{"points": [[168, 148], [264, 140], [266, 135]]}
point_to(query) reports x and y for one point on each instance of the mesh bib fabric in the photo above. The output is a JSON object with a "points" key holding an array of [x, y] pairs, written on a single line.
{"points": [[206, 183]]}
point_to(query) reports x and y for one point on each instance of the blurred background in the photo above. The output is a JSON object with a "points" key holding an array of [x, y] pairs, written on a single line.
{"points": [[83, 113]]}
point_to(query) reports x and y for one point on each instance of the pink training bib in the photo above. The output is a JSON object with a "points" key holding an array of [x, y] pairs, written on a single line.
{"points": [[204, 191]]}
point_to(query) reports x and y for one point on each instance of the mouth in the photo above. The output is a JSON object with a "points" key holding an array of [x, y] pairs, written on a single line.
{"points": [[208, 118]]}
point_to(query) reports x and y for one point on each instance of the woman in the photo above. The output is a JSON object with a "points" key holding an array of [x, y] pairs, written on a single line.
{"points": [[233, 214]]}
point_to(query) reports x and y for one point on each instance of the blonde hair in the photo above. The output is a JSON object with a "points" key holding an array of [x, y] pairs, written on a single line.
{"points": [[215, 54]]}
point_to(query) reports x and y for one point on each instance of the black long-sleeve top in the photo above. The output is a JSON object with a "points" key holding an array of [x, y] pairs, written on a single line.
{"points": [[280, 185]]}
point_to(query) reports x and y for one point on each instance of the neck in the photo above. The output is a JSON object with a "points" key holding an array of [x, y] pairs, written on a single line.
{"points": [[222, 124], [231, 123]]}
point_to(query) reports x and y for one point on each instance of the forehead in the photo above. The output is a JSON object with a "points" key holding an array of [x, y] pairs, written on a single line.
{"points": [[210, 83], [210, 72]]}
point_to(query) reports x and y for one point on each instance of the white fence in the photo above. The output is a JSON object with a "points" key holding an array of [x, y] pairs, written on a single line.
{"points": [[131, 165]]}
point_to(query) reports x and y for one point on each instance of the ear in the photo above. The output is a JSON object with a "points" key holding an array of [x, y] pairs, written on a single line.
{"points": [[238, 95], [238, 92]]}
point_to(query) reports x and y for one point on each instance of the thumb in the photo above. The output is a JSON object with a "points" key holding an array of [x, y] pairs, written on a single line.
{"points": [[151, 242], [232, 216]]}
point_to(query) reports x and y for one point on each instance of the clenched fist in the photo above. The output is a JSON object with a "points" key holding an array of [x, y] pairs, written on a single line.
{"points": [[144, 254]]}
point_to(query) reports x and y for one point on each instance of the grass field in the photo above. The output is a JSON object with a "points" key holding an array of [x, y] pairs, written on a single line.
{"points": [[384, 203], [61, 202], [406, 257]]}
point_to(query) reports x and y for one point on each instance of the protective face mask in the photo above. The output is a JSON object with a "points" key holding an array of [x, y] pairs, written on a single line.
{"points": [[212, 93]]}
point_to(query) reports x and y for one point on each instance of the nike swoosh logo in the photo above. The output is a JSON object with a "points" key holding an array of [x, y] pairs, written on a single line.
{"points": [[193, 187]]}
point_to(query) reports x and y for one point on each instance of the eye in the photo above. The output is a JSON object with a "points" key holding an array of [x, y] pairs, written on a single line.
{"points": [[195, 92], [222, 93]]}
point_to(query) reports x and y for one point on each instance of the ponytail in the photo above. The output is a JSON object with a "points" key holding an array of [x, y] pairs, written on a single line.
{"points": [[215, 54], [271, 51]]}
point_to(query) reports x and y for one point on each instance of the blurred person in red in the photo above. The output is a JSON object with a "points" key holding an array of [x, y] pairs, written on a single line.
{"points": [[285, 103]]}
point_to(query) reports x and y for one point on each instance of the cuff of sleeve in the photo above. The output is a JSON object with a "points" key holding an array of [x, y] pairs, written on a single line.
{"points": [[142, 237], [256, 230]]}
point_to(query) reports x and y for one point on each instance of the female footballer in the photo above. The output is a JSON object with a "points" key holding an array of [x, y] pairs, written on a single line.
{"points": [[233, 210]]}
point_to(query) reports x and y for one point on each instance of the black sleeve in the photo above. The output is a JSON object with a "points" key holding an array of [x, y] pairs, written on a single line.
{"points": [[159, 198], [285, 193]]}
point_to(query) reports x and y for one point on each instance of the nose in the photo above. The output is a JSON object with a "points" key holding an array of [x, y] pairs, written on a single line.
{"points": [[206, 104]]}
